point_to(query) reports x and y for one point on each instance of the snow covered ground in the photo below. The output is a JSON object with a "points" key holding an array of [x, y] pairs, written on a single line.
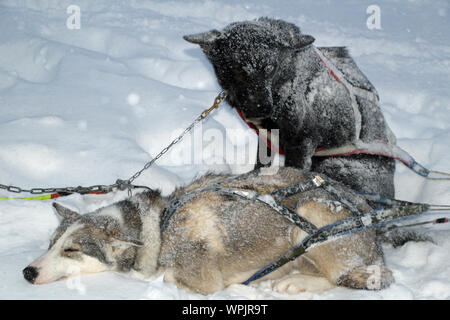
{"points": [[88, 106]]}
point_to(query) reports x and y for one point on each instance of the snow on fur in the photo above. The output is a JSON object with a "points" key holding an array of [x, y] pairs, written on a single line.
{"points": [[89, 106]]}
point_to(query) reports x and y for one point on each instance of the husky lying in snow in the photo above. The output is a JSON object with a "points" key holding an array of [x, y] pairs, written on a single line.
{"points": [[316, 97], [214, 240]]}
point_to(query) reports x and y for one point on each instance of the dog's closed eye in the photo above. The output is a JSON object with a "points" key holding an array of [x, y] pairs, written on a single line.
{"points": [[71, 250]]}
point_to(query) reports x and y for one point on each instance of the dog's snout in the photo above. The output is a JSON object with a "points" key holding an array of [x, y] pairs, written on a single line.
{"points": [[30, 273]]}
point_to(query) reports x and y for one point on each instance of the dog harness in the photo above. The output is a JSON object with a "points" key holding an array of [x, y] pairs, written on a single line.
{"points": [[391, 210], [377, 147]]}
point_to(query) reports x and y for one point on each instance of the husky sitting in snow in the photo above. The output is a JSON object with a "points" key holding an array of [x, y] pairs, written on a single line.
{"points": [[317, 97], [213, 240]]}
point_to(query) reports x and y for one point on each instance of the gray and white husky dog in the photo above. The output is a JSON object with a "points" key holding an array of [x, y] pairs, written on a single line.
{"points": [[273, 74], [213, 240]]}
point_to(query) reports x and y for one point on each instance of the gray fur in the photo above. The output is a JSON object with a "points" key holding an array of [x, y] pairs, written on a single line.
{"points": [[63, 212], [398, 237], [272, 75], [215, 240]]}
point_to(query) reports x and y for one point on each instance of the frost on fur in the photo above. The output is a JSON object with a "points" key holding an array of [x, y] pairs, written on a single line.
{"points": [[274, 77], [212, 239]]}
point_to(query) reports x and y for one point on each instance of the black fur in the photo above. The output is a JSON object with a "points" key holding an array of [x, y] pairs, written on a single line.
{"points": [[271, 73]]}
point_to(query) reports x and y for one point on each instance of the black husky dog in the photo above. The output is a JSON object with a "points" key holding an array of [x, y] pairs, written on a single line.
{"points": [[317, 98]]}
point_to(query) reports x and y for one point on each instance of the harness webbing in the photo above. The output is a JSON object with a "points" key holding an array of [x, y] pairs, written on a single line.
{"points": [[380, 148], [358, 222], [303, 186], [268, 142], [286, 212], [371, 219], [376, 148], [271, 200], [46, 196], [337, 74]]}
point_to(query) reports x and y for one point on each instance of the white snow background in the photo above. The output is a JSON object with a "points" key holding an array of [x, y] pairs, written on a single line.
{"points": [[91, 105]]}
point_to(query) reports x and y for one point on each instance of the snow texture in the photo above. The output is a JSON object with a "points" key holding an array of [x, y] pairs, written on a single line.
{"points": [[88, 106]]}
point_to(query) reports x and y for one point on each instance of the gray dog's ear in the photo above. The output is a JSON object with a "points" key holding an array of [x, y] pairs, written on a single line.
{"points": [[305, 40], [63, 212], [204, 37]]}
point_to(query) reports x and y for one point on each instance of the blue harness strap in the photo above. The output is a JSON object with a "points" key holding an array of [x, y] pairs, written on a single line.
{"points": [[372, 219], [386, 150], [271, 200], [398, 209]]}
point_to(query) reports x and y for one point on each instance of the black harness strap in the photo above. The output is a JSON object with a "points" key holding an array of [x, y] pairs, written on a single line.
{"points": [[176, 204], [396, 209], [371, 219], [301, 187], [341, 198], [271, 200], [288, 213]]}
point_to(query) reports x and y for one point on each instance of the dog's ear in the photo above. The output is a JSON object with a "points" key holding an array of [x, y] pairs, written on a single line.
{"points": [[304, 40], [204, 38], [123, 238], [63, 212]]}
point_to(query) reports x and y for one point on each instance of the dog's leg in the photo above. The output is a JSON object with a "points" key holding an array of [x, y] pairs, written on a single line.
{"points": [[297, 283], [354, 260], [205, 279], [364, 173], [263, 160], [373, 277], [303, 277], [197, 271], [300, 156]]}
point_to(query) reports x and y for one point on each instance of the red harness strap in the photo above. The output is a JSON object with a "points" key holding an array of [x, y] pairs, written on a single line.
{"points": [[357, 147], [278, 150], [380, 148], [330, 70], [252, 126], [330, 153]]}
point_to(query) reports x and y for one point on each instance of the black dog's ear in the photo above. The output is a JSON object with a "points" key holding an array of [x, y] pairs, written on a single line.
{"points": [[63, 212], [305, 40], [204, 37]]}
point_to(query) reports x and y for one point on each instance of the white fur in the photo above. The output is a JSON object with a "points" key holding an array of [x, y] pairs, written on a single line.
{"points": [[53, 266], [113, 212], [297, 283], [147, 258]]}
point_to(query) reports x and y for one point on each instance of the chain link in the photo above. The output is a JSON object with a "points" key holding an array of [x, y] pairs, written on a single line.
{"points": [[121, 184], [79, 189], [202, 116]]}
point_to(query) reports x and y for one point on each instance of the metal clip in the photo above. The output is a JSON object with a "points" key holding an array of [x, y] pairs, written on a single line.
{"points": [[318, 181]]}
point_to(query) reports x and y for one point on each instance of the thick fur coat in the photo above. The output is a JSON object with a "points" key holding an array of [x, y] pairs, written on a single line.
{"points": [[213, 239], [272, 74]]}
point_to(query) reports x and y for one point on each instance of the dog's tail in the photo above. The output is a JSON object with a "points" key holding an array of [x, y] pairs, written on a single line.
{"points": [[397, 236]]}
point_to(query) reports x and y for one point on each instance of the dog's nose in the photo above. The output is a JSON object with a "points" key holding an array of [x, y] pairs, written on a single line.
{"points": [[30, 274]]}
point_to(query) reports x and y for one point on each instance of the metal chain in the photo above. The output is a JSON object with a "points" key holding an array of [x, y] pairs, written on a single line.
{"points": [[79, 189], [202, 116], [120, 184]]}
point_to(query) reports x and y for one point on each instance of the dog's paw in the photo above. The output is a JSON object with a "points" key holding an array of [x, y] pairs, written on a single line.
{"points": [[290, 286], [371, 277], [295, 284]]}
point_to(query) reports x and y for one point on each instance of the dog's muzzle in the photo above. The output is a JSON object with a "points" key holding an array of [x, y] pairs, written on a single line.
{"points": [[30, 274]]}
